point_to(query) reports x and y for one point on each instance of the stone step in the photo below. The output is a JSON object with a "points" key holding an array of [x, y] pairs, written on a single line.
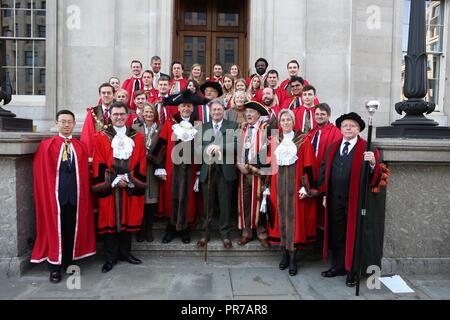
{"points": [[176, 248]]}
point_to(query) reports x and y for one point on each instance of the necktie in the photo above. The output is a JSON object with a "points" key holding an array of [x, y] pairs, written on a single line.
{"points": [[67, 152], [345, 151], [307, 126], [137, 85], [216, 129], [155, 81], [162, 114], [297, 102], [106, 116], [316, 140]]}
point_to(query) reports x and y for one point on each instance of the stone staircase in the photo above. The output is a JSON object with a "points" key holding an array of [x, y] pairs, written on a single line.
{"points": [[178, 248]]}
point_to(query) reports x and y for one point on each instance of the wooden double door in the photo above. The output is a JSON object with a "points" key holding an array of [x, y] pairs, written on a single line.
{"points": [[209, 32]]}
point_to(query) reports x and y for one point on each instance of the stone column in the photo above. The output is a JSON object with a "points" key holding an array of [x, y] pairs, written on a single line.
{"points": [[417, 227], [17, 213]]}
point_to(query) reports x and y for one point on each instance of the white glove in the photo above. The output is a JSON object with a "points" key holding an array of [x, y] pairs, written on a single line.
{"points": [[302, 193], [160, 173], [197, 184]]}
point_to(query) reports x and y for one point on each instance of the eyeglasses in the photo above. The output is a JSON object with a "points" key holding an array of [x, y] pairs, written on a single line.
{"points": [[119, 115], [66, 122], [351, 126]]}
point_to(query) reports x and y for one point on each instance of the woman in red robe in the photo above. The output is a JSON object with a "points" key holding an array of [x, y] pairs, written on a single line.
{"points": [[291, 190]]}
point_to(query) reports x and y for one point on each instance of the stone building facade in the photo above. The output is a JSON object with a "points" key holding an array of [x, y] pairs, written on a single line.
{"points": [[351, 51]]}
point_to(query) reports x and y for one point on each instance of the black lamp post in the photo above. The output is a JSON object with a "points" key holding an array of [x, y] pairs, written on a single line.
{"points": [[414, 124]]}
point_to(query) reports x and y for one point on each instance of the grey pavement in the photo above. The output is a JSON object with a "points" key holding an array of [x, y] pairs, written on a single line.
{"points": [[222, 278]]}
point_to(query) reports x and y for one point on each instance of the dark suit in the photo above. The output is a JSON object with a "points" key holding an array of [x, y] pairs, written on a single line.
{"points": [[219, 184], [67, 197]]}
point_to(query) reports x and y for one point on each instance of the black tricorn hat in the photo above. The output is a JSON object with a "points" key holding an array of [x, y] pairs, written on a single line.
{"points": [[258, 107], [185, 96], [351, 116], [214, 85]]}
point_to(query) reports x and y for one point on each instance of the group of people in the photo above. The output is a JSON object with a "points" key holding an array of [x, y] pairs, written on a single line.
{"points": [[192, 149]]}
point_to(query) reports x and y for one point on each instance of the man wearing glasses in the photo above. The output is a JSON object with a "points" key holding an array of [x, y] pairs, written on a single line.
{"points": [[119, 170], [63, 200]]}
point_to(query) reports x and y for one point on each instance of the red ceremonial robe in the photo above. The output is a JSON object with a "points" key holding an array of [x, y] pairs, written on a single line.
{"points": [[176, 86], [132, 199], [300, 116], [152, 95], [284, 85], [165, 195], [93, 124], [305, 209], [48, 245], [257, 184], [354, 195], [129, 86], [328, 134]]}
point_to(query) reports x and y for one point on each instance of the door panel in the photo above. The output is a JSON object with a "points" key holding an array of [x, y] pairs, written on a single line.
{"points": [[208, 32]]}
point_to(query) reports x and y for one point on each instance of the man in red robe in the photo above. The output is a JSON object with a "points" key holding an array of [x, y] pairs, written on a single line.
{"points": [[211, 90], [293, 68], [322, 136], [178, 172], [342, 174], [134, 83], [272, 82], [119, 171], [253, 163], [178, 83], [165, 112], [97, 118], [217, 74], [270, 101], [150, 91], [304, 116], [64, 217]]}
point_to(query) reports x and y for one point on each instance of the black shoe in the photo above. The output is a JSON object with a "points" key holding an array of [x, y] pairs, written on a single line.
{"points": [[333, 272], [108, 266], [55, 276], [140, 236], [131, 260], [185, 237], [292, 264], [170, 234], [351, 279], [149, 236], [284, 260]]}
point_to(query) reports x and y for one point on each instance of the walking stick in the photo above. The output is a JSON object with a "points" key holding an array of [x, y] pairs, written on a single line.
{"points": [[207, 202], [372, 107], [207, 208]]}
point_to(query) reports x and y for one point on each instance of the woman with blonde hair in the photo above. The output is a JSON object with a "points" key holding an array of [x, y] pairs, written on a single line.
{"points": [[237, 111], [122, 95], [228, 90], [240, 85], [196, 73], [151, 129], [256, 84]]}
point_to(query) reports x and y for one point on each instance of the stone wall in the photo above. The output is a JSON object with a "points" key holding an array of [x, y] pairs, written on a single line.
{"points": [[17, 213], [417, 227]]}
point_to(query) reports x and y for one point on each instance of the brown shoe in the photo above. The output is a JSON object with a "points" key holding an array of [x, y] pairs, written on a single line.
{"points": [[243, 241], [227, 244], [202, 242], [264, 243]]}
